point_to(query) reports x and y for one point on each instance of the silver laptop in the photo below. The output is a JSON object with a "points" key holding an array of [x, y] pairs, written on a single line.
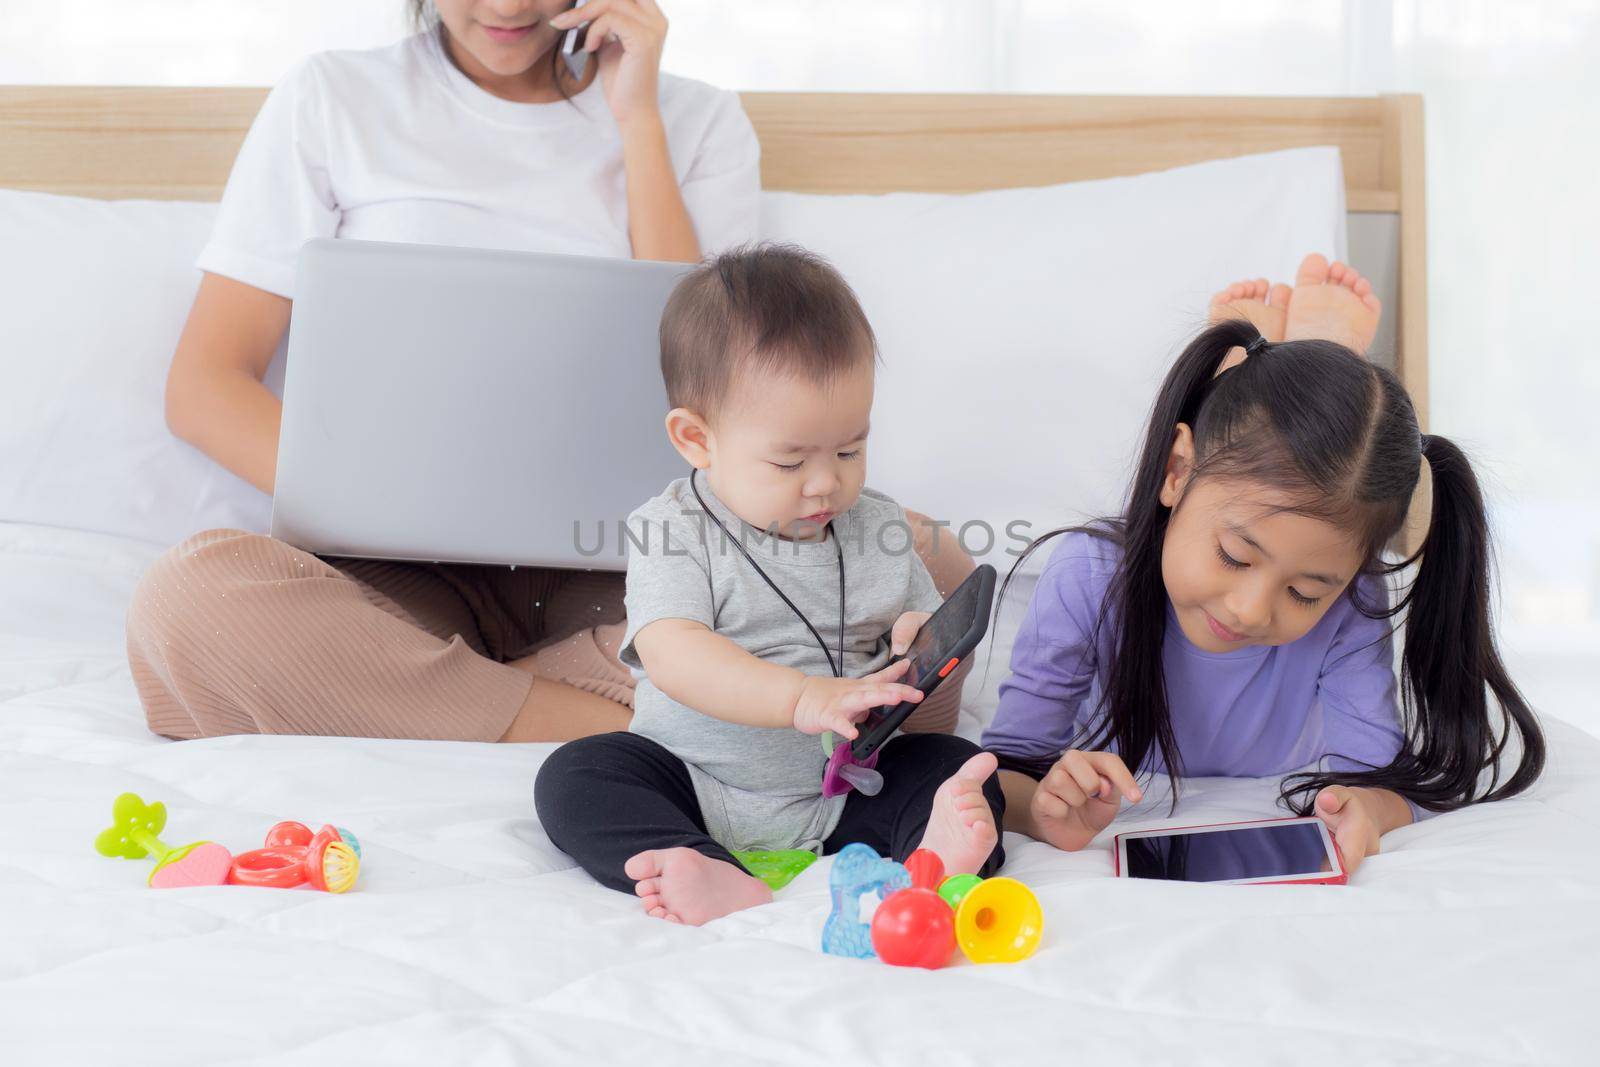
{"points": [[473, 406]]}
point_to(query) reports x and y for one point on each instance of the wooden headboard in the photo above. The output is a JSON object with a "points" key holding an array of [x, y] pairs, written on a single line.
{"points": [[178, 144]]}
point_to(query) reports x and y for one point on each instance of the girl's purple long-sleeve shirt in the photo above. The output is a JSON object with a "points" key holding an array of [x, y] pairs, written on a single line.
{"points": [[1328, 698]]}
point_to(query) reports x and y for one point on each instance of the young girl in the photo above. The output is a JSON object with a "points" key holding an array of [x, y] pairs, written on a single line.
{"points": [[1234, 620]]}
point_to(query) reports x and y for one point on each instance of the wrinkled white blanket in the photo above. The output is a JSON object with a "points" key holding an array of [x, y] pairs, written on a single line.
{"points": [[1474, 938]]}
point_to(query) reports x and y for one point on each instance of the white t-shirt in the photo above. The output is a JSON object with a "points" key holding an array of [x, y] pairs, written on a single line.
{"points": [[396, 144]]}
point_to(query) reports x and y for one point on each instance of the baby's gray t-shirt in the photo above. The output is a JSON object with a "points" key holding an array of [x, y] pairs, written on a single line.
{"points": [[760, 787]]}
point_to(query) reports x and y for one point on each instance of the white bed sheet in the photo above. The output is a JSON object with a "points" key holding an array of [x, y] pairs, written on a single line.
{"points": [[470, 939]]}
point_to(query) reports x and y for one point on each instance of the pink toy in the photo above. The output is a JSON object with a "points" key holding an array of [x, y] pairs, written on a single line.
{"points": [[132, 835]]}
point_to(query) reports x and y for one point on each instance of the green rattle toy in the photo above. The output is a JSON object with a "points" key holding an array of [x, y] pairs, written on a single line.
{"points": [[132, 835]]}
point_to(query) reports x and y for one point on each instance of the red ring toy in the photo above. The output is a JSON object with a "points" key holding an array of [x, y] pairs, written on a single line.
{"points": [[295, 856]]}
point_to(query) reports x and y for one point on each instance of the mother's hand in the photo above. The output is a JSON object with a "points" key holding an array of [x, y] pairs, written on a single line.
{"points": [[628, 36]]}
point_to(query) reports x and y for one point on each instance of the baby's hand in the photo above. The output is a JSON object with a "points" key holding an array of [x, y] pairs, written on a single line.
{"points": [[837, 704], [1080, 796], [905, 630]]}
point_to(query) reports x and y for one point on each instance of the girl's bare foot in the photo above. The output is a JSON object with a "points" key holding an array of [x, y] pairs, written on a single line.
{"points": [[1332, 302], [961, 825], [681, 885], [1260, 304]]}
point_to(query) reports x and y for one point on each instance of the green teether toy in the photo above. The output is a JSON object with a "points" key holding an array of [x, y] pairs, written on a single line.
{"points": [[776, 868], [132, 835]]}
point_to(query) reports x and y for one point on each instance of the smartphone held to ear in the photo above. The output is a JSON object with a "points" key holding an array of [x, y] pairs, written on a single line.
{"points": [[572, 46]]}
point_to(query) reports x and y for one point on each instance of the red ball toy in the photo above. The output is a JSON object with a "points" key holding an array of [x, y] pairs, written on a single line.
{"points": [[914, 928], [925, 868]]}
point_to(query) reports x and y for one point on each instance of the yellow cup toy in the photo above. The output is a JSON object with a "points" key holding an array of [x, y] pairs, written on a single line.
{"points": [[999, 921]]}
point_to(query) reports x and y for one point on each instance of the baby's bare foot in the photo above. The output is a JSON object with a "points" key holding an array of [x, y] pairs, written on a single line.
{"points": [[681, 885], [1260, 304], [961, 826], [1332, 302]]}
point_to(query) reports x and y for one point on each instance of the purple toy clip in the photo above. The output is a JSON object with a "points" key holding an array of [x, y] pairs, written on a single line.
{"points": [[845, 773]]}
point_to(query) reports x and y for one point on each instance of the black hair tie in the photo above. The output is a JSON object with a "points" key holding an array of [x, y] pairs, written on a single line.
{"points": [[1258, 345]]}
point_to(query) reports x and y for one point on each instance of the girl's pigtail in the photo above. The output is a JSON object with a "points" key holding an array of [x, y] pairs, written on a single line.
{"points": [[1450, 663], [1448, 667], [1138, 716]]}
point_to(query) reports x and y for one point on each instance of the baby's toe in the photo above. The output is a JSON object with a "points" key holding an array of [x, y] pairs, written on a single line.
{"points": [[971, 798], [643, 865], [978, 768], [649, 887], [973, 818]]}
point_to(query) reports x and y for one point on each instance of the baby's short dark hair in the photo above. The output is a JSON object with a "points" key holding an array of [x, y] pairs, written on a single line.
{"points": [[771, 307]]}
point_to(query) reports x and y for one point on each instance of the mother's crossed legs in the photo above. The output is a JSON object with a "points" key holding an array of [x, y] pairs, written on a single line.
{"points": [[232, 632]]}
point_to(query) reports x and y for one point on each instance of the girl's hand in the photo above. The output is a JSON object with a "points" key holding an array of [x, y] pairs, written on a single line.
{"points": [[905, 630], [1349, 817], [628, 35], [1080, 796], [837, 704]]}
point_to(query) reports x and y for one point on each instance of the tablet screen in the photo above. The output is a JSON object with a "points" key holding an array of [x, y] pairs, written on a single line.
{"points": [[1278, 851]]}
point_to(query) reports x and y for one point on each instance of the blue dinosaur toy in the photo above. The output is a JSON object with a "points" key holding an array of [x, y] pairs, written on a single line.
{"points": [[857, 870]]}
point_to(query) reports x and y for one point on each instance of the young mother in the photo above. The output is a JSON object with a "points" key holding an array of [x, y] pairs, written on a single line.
{"points": [[472, 132]]}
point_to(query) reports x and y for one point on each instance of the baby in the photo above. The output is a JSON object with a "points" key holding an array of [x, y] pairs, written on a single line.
{"points": [[766, 594]]}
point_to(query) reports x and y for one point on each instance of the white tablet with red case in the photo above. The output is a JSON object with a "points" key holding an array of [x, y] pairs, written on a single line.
{"points": [[1260, 852]]}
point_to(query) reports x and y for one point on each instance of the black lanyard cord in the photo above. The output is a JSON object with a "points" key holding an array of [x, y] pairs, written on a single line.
{"points": [[837, 668]]}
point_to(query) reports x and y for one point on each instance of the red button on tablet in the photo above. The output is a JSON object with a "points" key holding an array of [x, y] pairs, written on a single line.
{"points": [[948, 667]]}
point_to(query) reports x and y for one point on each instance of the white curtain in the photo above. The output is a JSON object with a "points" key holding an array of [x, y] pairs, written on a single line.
{"points": [[1513, 147]]}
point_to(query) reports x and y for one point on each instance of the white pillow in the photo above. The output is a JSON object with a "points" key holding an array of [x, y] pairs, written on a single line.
{"points": [[95, 294], [1024, 331]]}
